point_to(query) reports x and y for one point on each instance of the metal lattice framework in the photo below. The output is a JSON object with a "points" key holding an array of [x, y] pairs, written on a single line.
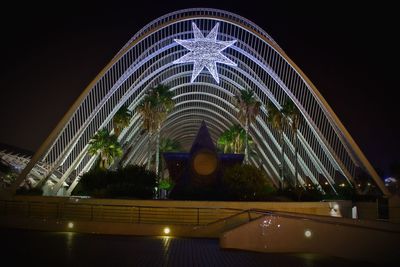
{"points": [[326, 152]]}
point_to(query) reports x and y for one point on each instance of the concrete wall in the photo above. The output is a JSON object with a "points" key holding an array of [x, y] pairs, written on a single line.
{"points": [[98, 227], [144, 217], [316, 208], [369, 210], [354, 239]]}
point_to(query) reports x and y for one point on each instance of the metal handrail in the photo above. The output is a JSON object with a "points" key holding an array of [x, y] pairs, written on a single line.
{"points": [[305, 217], [327, 220]]}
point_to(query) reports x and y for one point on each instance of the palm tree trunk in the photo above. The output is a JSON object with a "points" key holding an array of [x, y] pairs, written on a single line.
{"points": [[101, 162], [246, 149], [149, 153], [117, 131], [106, 163], [158, 150]]}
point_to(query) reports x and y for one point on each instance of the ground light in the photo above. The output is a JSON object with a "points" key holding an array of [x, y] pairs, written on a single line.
{"points": [[307, 233], [70, 225], [167, 230]]}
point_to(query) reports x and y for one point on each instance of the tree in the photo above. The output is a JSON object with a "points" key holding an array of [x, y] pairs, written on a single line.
{"points": [[146, 109], [233, 140], [7, 174], [275, 118], [167, 145], [224, 142], [154, 109], [133, 181], [249, 108], [164, 105], [121, 119], [246, 182], [292, 118], [106, 146]]}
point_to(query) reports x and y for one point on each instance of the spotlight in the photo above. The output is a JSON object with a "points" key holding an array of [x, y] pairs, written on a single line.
{"points": [[167, 230], [307, 233]]}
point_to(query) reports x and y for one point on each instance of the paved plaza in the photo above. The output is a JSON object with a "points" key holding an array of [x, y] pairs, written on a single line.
{"points": [[72, 249]]}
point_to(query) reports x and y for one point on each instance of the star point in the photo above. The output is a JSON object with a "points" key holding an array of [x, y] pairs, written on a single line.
{"points": [[205, 52]]}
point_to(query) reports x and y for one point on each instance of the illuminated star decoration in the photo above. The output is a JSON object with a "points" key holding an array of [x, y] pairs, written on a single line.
{"points": [[205, 52]]}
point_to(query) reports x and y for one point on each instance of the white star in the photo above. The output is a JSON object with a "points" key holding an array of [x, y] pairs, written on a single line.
{"points": [[205, 52]]}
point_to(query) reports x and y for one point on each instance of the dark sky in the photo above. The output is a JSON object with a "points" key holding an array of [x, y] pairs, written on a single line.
{"points": [[49, 56]]}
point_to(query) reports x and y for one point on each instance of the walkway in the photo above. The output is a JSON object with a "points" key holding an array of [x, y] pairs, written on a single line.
{"points": [[71, 249]]}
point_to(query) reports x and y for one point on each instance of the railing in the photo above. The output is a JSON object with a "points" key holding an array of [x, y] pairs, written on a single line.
{"points": [[198, 216], [376, 225], [246, 216]]}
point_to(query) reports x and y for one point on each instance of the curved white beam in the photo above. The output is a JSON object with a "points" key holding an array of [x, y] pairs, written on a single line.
{"points": [[262, 66]]}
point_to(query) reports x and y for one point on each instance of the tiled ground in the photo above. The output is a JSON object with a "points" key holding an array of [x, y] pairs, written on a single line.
{"points": [[70, 249]]}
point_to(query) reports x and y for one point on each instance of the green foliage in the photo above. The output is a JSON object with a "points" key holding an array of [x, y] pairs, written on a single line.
{"points": [[311, 193], [7, 175], [246, 182], [163, 97], [107, 146], [131, 182], [166, 184], [170, 145], [249, 108], [345, 192], [300, 194], [167, 145], [291, 115], [275, 117], [233, 140], [155, 107], [121, 119], [248, 105]]}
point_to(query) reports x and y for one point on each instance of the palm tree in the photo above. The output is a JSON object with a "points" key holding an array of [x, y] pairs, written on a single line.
{"points": [[168, 145], [225, 141], [146, 109], [249, 107], [233, 139], [239, 138], [292, 118], [121, 119], [105, 145], [164, 105], [154, 108], [275, 117]]}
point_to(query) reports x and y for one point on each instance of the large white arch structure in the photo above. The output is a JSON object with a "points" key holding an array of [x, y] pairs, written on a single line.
{"points": [[327, 152]]}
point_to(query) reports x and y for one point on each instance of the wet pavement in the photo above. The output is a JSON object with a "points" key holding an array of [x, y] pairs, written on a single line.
{"points": [[72, 249]]}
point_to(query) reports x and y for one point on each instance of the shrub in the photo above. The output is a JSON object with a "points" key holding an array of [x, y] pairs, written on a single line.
{"points": [[247, 182], [166, 184], [36, 191], [214, 193], [130, 182]]}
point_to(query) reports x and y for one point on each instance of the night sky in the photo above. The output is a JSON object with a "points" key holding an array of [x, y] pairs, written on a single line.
{"points": [[50, 56]]}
